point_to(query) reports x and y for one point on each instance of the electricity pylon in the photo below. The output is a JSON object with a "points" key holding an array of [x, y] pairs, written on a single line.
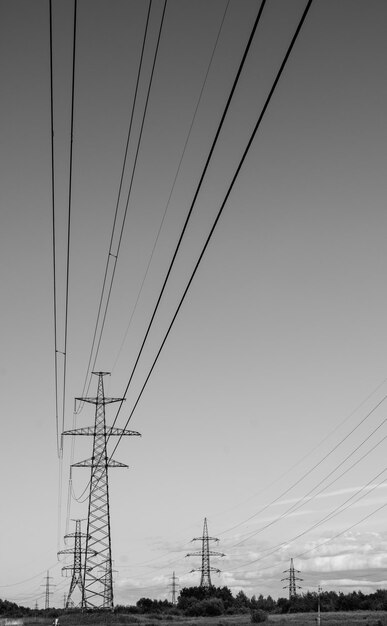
{"points": [[76, 567], [174, 584], [98, 575], [292, 578], [205, 553], [318, 621], [48, 593]]}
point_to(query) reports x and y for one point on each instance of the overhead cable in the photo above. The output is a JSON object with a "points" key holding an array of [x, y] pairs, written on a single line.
{"points": [[319, 545], [70, 193], [339, 509], [53, 225], [220, 125], [175, 179], [110, 255], [241, 162], [305, 499], [308, 471], [82, 497]]}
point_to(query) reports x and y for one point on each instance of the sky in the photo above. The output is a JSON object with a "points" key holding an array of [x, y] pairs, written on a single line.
{"points": [[266, 410]]}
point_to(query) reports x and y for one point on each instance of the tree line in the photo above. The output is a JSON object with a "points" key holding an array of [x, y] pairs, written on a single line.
{"points": [[198, 601]]}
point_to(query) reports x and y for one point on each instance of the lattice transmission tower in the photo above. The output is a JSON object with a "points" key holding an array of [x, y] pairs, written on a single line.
{"points": [[292, 578], [98, 575], [205, 553], [174, 585], [76, 568], [47, 593]]}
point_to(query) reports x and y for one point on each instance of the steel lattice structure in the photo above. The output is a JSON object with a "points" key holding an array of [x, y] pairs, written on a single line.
{"points": [[47, 592], [205, 553], [98, 575], [174, 584], [292, 578], [76, 567]]}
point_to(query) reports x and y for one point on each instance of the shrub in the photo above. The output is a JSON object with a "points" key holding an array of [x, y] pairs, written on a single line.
{"points": [[212, 607], [258, 616]]}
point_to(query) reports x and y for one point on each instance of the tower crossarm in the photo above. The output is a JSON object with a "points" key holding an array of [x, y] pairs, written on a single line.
{"points": [[91, 462], [210, 553], [90, 431], [210, 569], [287, 571], [100, 401]]}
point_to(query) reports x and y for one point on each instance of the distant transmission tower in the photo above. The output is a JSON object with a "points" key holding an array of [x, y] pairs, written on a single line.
{"points": [[76, 567], [98, 576], [292, 578], [205, 553], [48, 593], [174, 584], [318, 621]]}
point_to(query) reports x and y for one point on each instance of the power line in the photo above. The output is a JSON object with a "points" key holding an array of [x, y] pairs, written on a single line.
{"points": [[241, 65], [314, 448], [175, 178], [336, 511], [70, 191], [109, 257], [241, 162], [303, 500], [55, 312], [110, 252], [308, 472], [185, 224], [53, 229], [343, 531]]}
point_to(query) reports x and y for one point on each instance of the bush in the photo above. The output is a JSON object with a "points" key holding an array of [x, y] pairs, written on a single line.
{"points": [[212, 607], [258, 616], [205, 608]]}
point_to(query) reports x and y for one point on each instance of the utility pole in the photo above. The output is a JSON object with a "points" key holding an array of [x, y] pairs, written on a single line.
{"points": [[205, 553], [76, 567], [292, 578], [174, 584], [98, 576]]}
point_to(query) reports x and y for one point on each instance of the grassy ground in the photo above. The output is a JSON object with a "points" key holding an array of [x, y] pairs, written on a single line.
{"points": [[357, 618]]}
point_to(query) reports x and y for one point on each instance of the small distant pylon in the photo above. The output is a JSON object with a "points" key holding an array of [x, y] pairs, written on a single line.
{"points": [[205, 553], [292, 578], [48, 593], [174, 585], [76, 567], [319, 605]]}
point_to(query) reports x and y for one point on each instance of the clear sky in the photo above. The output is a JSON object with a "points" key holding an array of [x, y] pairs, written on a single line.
{"points": [[259, 414]]}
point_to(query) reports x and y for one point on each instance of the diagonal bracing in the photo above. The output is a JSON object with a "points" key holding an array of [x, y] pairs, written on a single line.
{"points": [[98, 576], [205, 553]]}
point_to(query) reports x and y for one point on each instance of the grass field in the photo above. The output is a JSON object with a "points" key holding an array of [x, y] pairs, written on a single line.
{"points": [[366, 618]]}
